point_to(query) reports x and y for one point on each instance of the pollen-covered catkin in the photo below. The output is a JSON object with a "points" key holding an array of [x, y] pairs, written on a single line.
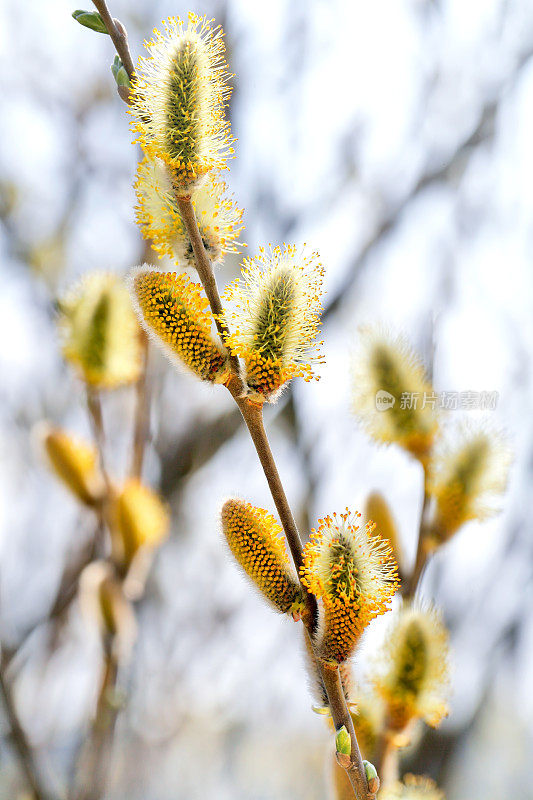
{"points": [[467, 476], [159, 216], [99, 330], [254, 538], [173, 311], [75, 462], [178, 100], [138, 518], [276, 318], [354, 574], [412, 668], [392, 396]]}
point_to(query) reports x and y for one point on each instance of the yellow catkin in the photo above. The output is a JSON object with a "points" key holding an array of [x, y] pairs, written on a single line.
{"points": [[254, 538], [138, 519], [414, 787], [158, 215], [378, 511], [276, 318], [75, 462], [178, 100], [99, 330], [173, 310], [103, 602], [354, 574], [392, 396], [467, 477], [412, 672]]}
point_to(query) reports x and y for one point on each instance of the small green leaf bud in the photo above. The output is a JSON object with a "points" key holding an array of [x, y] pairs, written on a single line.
{"points": [[90, 19], [371, 776], [343, 741], [119, 73]]}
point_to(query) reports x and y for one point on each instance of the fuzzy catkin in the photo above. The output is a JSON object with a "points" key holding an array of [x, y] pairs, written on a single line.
{"points": [[99, 331], [178, 101], [276, 318], [392, 396], [354, 574], [254, 538], [173, 311], [412, 669]]}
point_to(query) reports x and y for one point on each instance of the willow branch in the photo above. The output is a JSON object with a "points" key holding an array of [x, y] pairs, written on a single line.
{"points": [[118, 35], [340, 715], [20, 741], [253, 417]]}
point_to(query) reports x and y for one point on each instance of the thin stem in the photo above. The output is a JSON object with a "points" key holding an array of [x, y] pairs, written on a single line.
{"points": [[252, 414], [205, 272], [425, 528], [118, 35], [20, 740], [142, 413], [341, 716], [97, 423]]}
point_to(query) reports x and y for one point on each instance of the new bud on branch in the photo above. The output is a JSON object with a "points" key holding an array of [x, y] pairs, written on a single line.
{"points": [[179, 97], [173, 310], [276, 318], [255, 539], [159, 217], [354, 574]]}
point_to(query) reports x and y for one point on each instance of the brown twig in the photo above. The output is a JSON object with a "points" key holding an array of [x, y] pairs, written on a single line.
{"points": [[94, 407], [205, 273], [142, 413], [118, 35], [18, 736]]}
